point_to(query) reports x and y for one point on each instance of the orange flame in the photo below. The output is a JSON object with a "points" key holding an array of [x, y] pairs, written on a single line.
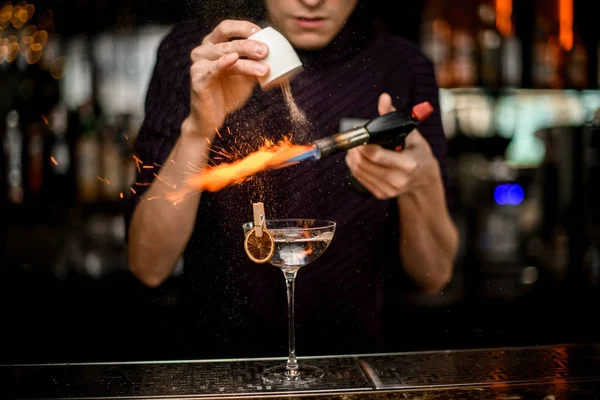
{"points": [[215, 178]]}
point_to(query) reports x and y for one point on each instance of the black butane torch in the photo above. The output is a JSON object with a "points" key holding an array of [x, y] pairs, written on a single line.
{"points": [[388, 130]]}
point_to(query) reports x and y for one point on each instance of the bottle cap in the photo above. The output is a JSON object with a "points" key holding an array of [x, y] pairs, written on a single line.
{"points": [[422, 111]]}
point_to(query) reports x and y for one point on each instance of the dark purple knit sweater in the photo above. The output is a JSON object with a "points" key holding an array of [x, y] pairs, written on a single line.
{"points": [[238, 308]]}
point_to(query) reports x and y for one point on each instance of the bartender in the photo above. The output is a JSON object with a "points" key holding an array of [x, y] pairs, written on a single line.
{"points": [[398, 237]]}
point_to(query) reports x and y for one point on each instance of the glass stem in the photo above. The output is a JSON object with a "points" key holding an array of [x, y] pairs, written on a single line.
{"points": [[292, 363]]}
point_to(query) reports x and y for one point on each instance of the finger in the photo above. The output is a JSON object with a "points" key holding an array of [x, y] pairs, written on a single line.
{"points": [[249, 68], [376, 171], [245, 48], [377, 155], [229, 29], [205, 70], [372, 187], [384, 105], [372, 177]]}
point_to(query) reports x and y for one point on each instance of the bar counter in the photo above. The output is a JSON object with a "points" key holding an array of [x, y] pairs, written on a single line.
{"points": [[569, 371]]}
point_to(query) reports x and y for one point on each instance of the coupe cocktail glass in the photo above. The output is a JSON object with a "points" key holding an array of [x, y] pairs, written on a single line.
{"points": [[298, 242]]}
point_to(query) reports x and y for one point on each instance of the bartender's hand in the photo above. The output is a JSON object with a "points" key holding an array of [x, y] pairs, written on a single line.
{"points": [[221, 81], [387, 174]]}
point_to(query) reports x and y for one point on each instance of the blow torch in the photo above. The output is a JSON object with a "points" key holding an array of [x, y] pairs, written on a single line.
{"points": [[389, 131]]}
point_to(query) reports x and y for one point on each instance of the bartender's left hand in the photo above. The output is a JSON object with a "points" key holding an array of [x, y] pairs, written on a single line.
{"points": [[388, 174]]}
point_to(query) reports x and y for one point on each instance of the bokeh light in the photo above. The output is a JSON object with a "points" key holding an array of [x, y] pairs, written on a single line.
{"points": [[28, 40], [509, 194]]}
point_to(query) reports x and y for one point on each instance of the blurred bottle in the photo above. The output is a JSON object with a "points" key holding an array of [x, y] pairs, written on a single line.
{"points": [[111, 164], [512, 67], [464, 64], [576, 65], [547, 57], [35, 156], [13, 147], [489, 44], [58, 178], [126, 138], [88, 155], [436, 40]]}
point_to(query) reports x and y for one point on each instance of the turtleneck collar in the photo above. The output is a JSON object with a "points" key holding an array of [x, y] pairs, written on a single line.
{"points": [[356, 35]]}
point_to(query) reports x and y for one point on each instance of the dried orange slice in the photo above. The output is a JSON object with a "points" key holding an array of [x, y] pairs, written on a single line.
{"points": [[259, 249]]}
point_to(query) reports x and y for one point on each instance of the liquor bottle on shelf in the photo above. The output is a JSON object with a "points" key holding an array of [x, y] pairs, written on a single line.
{"points": [[464, 65], [512, 68], [13, 147], [111, 165], [126, 137], [58, 179], [35, 158], [88, 156], [546, 57], [489, 73], [436, 43], [576, 65], [489, 44]]}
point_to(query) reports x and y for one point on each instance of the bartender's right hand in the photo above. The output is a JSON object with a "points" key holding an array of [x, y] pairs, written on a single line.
{"points": [[221, 81]]}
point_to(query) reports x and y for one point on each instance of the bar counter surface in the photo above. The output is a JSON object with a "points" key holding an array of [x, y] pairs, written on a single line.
{"points": [[555, 372]]}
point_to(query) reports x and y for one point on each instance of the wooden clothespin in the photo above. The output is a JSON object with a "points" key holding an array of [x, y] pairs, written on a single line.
{"points": [[259, 218]]}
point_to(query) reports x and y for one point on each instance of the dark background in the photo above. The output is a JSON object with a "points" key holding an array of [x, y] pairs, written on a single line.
{"points": [[55, 307]]}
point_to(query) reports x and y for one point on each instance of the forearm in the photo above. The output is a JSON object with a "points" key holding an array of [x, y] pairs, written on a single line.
{"points": [[428, 236], [159, 230]]}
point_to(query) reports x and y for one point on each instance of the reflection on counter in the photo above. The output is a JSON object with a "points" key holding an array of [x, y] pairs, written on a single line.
{"points": [[561, 372]]}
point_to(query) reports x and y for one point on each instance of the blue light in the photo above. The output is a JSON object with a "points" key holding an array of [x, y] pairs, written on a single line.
{"points": [[509, 194]]}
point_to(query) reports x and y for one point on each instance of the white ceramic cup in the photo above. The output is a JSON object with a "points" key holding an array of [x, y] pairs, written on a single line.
{"points": [[283, 61]]}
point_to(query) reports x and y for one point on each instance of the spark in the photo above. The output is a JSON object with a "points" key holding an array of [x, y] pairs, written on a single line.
{"points": [[45, 119], [153, 198], [218, 133], [103, 180], [228, 130], [133, 191], [148, 167], [221, 152], [158, 165], [53, 160], [121, 195], [194, 167], [138, 162], [173, 161], [164, 181]]}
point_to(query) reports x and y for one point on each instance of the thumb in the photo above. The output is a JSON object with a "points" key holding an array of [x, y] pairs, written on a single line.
{"points": [[385, 104]]}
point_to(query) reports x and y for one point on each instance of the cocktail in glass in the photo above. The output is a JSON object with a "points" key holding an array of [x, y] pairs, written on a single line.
{"points": [[298, 242]]}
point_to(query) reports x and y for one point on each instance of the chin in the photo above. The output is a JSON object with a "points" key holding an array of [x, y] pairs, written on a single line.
{"points": [[310, 41]]}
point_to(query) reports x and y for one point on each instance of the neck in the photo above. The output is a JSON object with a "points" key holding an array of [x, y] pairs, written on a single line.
{"points": [[358, 32]]}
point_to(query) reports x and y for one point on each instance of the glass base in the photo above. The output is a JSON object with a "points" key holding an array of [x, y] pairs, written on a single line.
{"points": [[279, 375]]}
